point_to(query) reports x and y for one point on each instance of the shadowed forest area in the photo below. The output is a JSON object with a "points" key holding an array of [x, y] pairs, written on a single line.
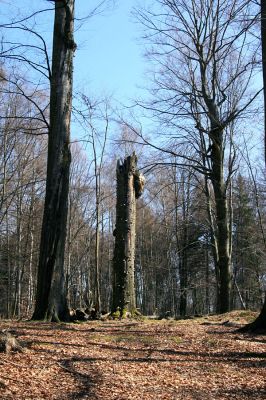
{"points": [[126, 360]]}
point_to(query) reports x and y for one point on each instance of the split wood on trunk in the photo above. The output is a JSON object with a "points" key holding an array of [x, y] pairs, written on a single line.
{"points": [[130, 184]]}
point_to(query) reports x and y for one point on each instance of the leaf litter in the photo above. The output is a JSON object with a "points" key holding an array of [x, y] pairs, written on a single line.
{"points": [[203, 358]]}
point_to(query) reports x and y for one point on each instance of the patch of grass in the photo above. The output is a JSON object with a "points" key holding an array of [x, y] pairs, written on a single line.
{"points": [[124, 339], [248, 315], [148, 340], [215, 369], [45, 344], [238, 316], [95, 337], [127, 339], [176, 339], [210, 342]]}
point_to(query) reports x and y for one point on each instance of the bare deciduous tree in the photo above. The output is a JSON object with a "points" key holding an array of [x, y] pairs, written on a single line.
{"points": [[201, 87]]}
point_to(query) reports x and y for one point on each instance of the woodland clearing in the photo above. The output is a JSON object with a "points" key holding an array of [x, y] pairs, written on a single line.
{"points": [[201, 358]]}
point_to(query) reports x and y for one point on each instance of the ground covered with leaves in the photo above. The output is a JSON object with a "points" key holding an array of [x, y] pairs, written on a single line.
{"points": [[204, 358]]}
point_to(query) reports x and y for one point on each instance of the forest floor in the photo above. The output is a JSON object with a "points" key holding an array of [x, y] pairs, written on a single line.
{"points": [[204, 358]]}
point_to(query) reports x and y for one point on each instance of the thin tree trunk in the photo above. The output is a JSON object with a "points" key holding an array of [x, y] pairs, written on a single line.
{"points": [[19, 263], [51, 302], [30, 280], [9, 272], [183, 272], [109, 286], [207, 280], [97, 245]]}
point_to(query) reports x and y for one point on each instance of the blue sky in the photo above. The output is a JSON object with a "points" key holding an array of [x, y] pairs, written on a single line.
{"points": [[108, 59], [109, 56]]}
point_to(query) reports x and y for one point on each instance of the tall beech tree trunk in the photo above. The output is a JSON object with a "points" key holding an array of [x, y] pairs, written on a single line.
{"points": [[260, 322], [263, 51], [51, 302], [222, 217], [129, 187]]}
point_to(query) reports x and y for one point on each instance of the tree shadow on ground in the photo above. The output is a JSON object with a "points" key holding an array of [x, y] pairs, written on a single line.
{"points": [[252, 338], [243, 360], [242, 393], [257, 393], [92, 377], [85, 381]]}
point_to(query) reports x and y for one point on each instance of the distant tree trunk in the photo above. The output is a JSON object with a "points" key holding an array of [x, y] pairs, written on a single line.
{"points": [[19, 268], [97, 252], [30, 277], [183, 268], [207, 281], [129, 187], [51, 302]]}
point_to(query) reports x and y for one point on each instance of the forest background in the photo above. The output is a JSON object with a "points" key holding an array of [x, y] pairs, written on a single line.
{"points": [[176, 269]]}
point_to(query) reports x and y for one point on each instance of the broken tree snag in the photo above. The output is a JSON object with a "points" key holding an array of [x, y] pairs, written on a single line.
{"points": [[130, 184]]}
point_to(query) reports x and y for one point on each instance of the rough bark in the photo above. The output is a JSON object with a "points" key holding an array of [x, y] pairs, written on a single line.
{"points": [[96, 251], [263, 51], [51, 303], [222, 220], [183, 263], [128, 189], [213, 241], [183, 286], [223, 237], [260, 323]]}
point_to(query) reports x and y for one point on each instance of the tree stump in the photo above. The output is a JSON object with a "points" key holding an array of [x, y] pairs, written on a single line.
{"points": [[9, 343]]}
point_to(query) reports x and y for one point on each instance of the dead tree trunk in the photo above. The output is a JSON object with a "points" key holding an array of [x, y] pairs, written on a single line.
{"points": [[130, 185], [51, 302]]}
